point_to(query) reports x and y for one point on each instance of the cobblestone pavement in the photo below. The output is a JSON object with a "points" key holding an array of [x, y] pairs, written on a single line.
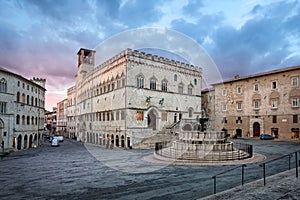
{"points": [[76, 171]]}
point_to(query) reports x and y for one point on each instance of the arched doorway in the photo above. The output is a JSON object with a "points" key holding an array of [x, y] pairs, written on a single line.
{"points": [[35, 142], [152, 116], [122, 141], [117, 140], [30, 141], [25, 141], [19, 143], [128, 142], [256, 129], [112, 140], [239, 133]]}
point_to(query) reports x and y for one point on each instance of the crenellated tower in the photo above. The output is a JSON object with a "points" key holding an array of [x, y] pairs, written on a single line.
{"points": [[86, 62]]}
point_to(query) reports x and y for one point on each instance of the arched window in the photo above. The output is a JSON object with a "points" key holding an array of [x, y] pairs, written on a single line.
{"points": [[180, 88], [164, 85], [32, 120], [35, 101], [23, 120], [3, 85], [28, 120], [32, 101], [195, 81], [18, 96], [28, 99], [23, 98], [18, 119], [153, 84], [175, 77], [190, 89], [140, 81]]}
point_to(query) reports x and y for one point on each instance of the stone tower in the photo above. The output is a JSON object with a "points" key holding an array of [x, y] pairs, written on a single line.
{"points": [[86, 61]]}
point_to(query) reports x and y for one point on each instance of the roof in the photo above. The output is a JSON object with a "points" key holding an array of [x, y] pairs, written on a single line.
{"points": [[238, 78], [20, 77]]}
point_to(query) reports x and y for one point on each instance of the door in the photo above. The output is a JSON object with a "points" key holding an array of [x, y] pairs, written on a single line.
{"points": [[152, 120], [256, 129], [238, 133]]}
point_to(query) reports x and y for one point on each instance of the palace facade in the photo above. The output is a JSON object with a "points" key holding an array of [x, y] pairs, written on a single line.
{"points": [[22, 106], [261, 103], [131, 96]]}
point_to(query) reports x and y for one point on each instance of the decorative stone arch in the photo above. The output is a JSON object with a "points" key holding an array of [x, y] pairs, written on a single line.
{"points": [[197, 127], [153, 118], [187, 127], [140, 80], [1, 124], [253, 124]]}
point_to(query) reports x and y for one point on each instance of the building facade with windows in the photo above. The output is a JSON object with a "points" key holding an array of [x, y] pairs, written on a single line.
{"points": [[22, 105], [131, 96], [61, 115], [261, 103]]}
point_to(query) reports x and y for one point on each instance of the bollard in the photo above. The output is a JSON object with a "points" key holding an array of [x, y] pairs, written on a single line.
{"points": [[296, 158], [243, 171], [215, 184]]}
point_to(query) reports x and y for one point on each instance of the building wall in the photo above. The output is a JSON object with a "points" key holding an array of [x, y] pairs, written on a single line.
{"points": [[109, 103], [23, 116], [62, 118], [257, 106]]}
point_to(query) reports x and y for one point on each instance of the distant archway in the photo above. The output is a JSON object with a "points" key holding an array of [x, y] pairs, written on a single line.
{"points": [[25, 141], [19, 142], [30, 141], [152, 118], [122, 141], [117, 140]]}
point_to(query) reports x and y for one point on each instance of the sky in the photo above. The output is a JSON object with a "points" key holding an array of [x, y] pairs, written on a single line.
{"points": [[41, 38]]}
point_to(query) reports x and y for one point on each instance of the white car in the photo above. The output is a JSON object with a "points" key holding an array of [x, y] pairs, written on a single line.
{"points": [[60, 138], [54, 142]]}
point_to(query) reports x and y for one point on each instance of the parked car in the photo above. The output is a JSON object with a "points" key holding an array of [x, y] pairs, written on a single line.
{"points": [[266, 137], [54, 142]]}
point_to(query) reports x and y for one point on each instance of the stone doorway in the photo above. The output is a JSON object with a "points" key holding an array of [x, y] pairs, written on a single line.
{"points": [[152, 116], [256, 129], [239, 133]]}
